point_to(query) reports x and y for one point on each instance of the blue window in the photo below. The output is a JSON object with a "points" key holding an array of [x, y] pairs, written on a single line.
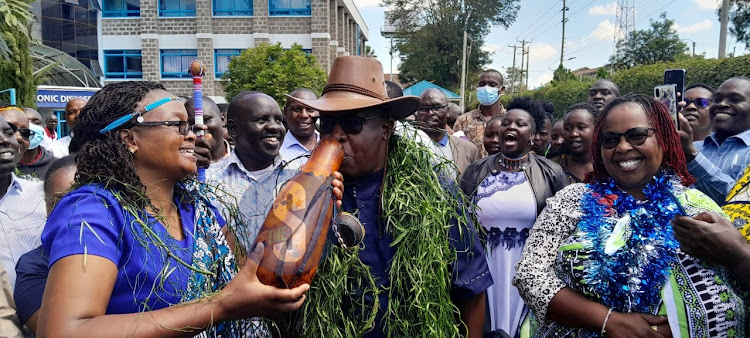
{"points": [[172, 8], [221, 60], [121, 8], [176, 62], [289, 7], [359, 42], [233, 7], [122, 64]]}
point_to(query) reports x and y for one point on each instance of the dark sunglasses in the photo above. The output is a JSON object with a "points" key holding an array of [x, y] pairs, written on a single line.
{"points": [[427, 109], [349, 124], [182, 126], [25, 132], [699, 102], [635, 136]]}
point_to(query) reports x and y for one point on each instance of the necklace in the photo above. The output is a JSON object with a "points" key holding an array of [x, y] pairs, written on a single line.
{"points": [[633, 245], [520, 163]]}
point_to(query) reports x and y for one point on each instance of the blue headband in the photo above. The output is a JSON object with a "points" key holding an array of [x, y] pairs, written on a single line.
{"points": [[128, 117]]}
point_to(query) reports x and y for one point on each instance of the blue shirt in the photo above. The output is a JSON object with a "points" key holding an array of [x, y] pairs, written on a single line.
{"points": [[718, 166], [470, 274], [292, 150], [90, 220], [31, 278]]}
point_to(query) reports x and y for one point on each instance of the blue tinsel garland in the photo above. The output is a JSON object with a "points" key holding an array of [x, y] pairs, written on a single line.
{"points": [[630, 279]]}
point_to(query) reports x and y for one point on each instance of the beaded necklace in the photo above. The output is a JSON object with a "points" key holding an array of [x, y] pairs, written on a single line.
{"points": [[520, 163]]}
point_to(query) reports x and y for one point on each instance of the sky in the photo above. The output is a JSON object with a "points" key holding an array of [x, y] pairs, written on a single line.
{"points": [[589, 33]]}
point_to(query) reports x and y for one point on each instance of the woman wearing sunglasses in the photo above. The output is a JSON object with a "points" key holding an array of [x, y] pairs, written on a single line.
{"points": [[695, 110], [602, 257], [136, 249]]}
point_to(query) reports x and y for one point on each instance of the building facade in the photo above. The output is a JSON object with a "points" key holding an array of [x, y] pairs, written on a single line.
{"points": [[157, 39]]}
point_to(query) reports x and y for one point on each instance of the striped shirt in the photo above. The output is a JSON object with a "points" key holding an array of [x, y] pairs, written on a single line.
{"points": [[718, 166], [22, 217]]}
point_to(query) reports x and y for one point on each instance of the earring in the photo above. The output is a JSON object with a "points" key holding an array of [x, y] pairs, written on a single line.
{"points": [[132, 150]]}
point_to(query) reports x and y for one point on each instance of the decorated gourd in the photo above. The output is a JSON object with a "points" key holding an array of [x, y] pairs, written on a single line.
{"points": [[295, 230]]}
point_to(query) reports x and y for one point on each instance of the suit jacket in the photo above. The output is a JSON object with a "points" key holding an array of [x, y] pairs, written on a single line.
{"points": [[464, 152]]}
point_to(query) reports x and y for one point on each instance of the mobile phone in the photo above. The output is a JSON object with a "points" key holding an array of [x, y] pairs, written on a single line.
{"points": [[667, 95], [676, 77]]}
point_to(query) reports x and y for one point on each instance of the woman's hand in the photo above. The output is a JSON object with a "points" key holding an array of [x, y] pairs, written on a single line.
{"points": [[338, 187], [637, 325], [245, 296]]}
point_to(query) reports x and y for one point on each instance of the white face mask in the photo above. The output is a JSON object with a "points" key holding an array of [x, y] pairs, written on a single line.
{"points": [[487, 95]]}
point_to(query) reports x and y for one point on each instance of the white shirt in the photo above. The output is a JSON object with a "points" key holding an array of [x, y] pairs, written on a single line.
{"points": [[59, 148], [22, 217]]}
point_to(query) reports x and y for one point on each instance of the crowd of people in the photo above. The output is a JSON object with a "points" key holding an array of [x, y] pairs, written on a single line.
{"points": [[613, 220]]}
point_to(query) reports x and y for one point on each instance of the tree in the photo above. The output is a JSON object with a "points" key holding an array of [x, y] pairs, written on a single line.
{"points": [[369, 52], [739, 17], [272, 70], [15, 59], [562, 74], [602, 73], [430, 35], [649, 46], [514, 80]]}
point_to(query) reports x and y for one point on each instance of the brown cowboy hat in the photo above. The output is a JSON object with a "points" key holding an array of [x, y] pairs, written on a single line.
{"points": [[355, 83]]}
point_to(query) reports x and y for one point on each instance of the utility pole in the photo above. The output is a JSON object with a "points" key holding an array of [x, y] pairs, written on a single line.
{"points": [[515, 75], [723, 29], [562, 44], [527, 67], [463, 76], [523, 54], [693, 48]]}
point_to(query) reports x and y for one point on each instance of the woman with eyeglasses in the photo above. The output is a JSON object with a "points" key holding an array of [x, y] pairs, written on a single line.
{"points": [[136, 249], [602, 258], [510, 189]]}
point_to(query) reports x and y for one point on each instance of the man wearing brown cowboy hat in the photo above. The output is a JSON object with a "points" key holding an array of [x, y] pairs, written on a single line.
{"points": [[421, 253]]}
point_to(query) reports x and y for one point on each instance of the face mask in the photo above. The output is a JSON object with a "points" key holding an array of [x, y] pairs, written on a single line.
{"points": [[487, 95], [37, 135]]}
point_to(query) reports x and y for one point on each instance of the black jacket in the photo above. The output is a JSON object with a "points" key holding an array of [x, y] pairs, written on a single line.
{"points": [[39, 168], [546, 177]]}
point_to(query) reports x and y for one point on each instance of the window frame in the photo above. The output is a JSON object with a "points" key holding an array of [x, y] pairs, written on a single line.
{"points": [[225, 52], [182, 75], [123, 53], [290, 11], [176, 13], [232, 12], [121, 13]]}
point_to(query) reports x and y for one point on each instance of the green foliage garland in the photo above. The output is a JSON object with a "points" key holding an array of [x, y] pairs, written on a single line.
{"points": [[416, 210]]}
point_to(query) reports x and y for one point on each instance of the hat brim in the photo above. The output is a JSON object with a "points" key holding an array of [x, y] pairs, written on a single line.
{"points": [[399, 107]]}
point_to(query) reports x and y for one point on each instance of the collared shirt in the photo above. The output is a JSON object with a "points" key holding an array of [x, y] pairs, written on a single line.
{"points": [[22, 217], [718, 166], [292, 149], [60, 147], [472, 124], [469, 272], [444, 148], [234, 180]]}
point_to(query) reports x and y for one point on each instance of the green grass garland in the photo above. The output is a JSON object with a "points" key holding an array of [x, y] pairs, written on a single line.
{"points": [[416, 209]]}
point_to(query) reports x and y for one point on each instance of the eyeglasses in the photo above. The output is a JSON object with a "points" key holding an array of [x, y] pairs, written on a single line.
{"points": [[635, 136], [182, 126], [427, 109], [700, 102], [25, 132], [349, 124]]}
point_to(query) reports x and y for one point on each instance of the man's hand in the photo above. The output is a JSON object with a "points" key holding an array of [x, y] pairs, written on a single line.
{"points": [[686, 138], [711, 237]]}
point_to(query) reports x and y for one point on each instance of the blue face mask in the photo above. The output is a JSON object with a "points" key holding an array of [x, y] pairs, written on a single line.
{"points": [[487, 95], [37, 135]]}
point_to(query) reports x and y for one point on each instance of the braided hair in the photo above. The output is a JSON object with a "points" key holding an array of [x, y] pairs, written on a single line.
{"points": [[583, 106], [104, 158], [666, 136]]}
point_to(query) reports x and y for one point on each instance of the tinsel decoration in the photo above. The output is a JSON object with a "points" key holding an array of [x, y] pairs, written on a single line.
{"points": [[627, 273]]}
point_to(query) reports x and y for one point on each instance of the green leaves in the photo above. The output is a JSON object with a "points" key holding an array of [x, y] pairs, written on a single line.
{"points": [[273, 70], [649, 46]]}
